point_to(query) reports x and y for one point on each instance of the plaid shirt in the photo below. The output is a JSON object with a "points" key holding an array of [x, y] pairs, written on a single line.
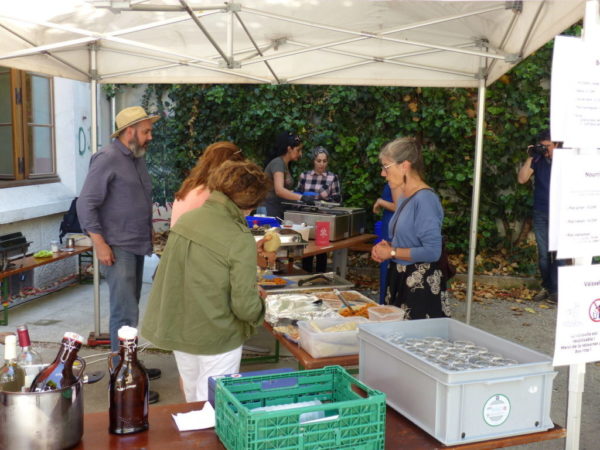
{"points": [[327, 185]]}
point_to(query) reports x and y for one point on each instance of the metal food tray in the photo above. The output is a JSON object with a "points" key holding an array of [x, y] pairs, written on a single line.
{"points": [[336, 283]]}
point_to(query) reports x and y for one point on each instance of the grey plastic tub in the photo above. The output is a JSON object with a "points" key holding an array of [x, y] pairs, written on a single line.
{"points": [[458, 407]]}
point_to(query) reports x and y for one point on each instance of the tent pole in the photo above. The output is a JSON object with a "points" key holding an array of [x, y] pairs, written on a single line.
{"points": [[94, 145], [481, 90]]}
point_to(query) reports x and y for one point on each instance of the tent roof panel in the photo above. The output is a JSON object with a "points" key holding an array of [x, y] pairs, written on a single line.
{"points": [[422, 43]]}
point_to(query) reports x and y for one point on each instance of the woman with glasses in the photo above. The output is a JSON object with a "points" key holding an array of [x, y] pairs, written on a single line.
{"points": [[326, 186], [193, 191], [287, 149], [414, 276]]}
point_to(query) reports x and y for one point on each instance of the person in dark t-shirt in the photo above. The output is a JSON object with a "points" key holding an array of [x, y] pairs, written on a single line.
{"points": [[539, 164]]}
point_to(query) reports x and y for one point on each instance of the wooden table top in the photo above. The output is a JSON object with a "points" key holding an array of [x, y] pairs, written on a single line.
{"points": [[29, 262], [313, 249], [163, 434]]}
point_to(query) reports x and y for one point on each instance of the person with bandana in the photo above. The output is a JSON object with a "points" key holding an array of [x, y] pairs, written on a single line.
{"points": [[325, 186]]}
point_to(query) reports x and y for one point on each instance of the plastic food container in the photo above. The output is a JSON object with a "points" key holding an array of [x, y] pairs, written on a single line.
{"points": [[385, 312], [322, 344]]}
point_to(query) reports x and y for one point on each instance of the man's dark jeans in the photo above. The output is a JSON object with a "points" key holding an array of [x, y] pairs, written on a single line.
{"points": [[547, 260]]}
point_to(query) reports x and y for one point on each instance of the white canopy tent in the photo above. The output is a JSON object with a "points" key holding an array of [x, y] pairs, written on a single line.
{"points": [[444, 43], [347, 42], [388, 43]]}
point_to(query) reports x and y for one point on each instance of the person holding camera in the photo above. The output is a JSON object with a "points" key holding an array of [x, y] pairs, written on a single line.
{"points": [[539, 164]]}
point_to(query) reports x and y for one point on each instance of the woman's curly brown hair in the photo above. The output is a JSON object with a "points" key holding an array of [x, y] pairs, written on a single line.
{"points": [[242, 181], [213, 156]]}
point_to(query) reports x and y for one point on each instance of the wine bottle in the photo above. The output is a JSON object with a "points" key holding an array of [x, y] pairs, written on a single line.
{"points": [[128, 387], [12, 376], [28, 359], [59, 374]]}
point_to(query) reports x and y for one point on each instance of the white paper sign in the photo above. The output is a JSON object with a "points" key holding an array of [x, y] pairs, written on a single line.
{"points": [[578, 318], [575, 205], [575, 99]]}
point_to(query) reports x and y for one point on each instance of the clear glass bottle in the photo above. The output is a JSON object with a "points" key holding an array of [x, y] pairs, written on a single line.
{"points": [[28, 359], [128, 387], [59, 374], [12, 376]]}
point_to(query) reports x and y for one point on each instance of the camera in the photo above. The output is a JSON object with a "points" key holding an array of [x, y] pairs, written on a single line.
{"points": [[537, 149]]}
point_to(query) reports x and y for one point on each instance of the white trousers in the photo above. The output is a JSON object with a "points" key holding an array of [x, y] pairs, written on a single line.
{"points": [[195, 370]]}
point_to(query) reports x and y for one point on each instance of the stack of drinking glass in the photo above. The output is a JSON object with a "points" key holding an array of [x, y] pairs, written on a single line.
{"points": [[451, 355]]}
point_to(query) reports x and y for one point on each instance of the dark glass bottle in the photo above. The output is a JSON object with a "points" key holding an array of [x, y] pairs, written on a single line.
{"points": [[59, 374], [128, 389]]}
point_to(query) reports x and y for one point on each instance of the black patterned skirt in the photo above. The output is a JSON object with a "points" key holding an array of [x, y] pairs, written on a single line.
{"points": [[420, 288]]}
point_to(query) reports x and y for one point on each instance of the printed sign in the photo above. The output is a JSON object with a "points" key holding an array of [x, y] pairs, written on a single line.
{"points": [[575, 206], [578, 319], [575, 100]]}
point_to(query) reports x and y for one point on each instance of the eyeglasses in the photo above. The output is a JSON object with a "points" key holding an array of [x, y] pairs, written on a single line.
{"points": [[387, 166]]}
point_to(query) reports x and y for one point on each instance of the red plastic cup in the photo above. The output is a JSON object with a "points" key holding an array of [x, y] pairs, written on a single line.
{"points": [[322, 233]]}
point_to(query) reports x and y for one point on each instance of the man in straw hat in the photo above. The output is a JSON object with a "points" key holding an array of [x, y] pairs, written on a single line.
{"points": [[115, 209]]}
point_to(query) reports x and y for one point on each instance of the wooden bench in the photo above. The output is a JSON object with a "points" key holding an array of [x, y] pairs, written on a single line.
{"points": [[27, 263]]}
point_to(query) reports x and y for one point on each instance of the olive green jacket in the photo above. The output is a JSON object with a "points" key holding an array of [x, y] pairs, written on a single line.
{"points": [[204, 298]]}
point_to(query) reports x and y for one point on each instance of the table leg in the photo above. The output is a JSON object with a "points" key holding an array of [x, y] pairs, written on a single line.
{"points": [[340, 262], [264, 359], [3, 298]]}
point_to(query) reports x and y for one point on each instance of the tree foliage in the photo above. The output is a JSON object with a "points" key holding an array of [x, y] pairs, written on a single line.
{"points": [[354, 123]]}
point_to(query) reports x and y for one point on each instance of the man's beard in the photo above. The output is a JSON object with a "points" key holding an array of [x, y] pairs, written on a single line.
{"points": [[135, 147]]}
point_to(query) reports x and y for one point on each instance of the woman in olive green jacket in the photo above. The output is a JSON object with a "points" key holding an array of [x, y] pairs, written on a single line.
{"points": [[205, 302]]}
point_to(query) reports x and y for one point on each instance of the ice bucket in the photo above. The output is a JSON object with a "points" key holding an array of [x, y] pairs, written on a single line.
{"points": [[43, 420]]}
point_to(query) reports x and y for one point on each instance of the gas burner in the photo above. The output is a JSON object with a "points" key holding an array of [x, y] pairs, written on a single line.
{"points": [[13, 245]]}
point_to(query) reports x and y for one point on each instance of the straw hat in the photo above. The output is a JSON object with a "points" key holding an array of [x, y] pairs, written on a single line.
{"points": [[131, 116]]}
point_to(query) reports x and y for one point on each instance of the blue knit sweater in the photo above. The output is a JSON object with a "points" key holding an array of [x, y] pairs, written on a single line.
{"points": [[418, 227]]}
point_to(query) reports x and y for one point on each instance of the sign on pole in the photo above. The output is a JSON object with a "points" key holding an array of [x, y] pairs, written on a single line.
{"points": [[578, 319]]}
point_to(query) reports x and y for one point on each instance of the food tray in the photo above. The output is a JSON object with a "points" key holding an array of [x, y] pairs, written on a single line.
{"points": [[353, 298], [264, 282], [458, 407], [349, 419], [384, 313], [336, 282], [326, 344], [295, 306]]}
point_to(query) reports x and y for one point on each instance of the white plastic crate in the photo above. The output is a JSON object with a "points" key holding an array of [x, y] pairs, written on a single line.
{"points": [[458, 407]]}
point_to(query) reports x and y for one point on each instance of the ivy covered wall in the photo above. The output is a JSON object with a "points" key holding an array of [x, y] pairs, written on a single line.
{"points": [[354, 123]]}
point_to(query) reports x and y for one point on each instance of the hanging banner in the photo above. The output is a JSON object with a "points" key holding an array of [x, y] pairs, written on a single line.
{"points": [[575, 99], [578, 319]]}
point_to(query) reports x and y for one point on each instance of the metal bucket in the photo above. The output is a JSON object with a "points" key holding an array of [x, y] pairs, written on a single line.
{"points": [[42, 420]]}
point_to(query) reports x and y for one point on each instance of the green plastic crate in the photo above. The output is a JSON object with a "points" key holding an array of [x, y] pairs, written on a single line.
{"points": [[360, 411]]}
